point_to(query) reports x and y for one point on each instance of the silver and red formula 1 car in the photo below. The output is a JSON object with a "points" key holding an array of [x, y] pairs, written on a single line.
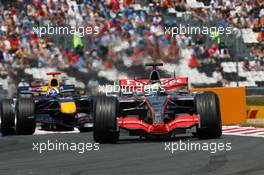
{"points": [[157, 108]]}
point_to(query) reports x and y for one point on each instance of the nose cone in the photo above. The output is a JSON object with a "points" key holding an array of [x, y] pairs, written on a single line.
{"points": [[157, 105]]}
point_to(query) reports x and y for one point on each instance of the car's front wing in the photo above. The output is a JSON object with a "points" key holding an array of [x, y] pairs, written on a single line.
{"points": [[182, 121]]}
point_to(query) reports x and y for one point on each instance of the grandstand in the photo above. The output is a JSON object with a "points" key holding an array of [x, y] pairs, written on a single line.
{"points": [[131, 34]]}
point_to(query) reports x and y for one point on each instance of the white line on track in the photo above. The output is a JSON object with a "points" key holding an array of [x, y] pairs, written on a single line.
{"points": [[42, 132]]}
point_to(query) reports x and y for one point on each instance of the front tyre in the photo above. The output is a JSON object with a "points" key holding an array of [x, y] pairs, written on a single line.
{"points": [[7, 117], [25, 120], [208, 108], [105, 120]]}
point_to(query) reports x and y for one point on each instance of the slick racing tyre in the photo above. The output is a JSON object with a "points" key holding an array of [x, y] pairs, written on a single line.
{"points": [[7, 117], [25, 120], [208, 109], [105, 120]]}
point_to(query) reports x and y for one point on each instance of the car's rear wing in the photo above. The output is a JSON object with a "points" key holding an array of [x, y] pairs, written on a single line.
{"points": [[166, 83]]}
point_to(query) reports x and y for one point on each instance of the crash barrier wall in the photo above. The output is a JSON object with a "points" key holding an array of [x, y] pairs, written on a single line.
{"points": [[232, 104], [255, 112]]}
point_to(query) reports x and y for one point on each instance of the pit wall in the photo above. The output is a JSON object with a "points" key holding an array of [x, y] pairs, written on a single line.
{"points": [[232, 104]]}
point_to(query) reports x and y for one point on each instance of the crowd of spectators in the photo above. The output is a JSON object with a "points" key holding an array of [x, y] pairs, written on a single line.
{"points": [[138, 26], [20, 47], [248, 14]]}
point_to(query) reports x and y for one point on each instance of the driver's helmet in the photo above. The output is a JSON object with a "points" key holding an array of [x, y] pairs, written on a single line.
{"points": [[153, 88], [53, 91]]}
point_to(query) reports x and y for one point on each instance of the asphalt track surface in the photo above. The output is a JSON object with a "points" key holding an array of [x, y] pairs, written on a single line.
{"points": [[129, 156]]}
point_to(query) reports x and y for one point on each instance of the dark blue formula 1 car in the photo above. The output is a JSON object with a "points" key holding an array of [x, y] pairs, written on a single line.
{"points": [[54, 107]]}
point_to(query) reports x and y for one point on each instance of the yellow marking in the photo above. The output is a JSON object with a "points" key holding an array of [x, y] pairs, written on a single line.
{"points": [[68, 108], [44, 88], [259, 109]]}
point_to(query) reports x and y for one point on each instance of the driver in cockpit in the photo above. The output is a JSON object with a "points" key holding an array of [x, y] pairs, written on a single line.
{"points": [[153, 88], [53, 92]]}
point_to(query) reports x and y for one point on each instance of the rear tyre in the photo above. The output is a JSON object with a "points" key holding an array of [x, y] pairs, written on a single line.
{"points": [[105, 120], [208, 108], [25, 120], [7, 117]]}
